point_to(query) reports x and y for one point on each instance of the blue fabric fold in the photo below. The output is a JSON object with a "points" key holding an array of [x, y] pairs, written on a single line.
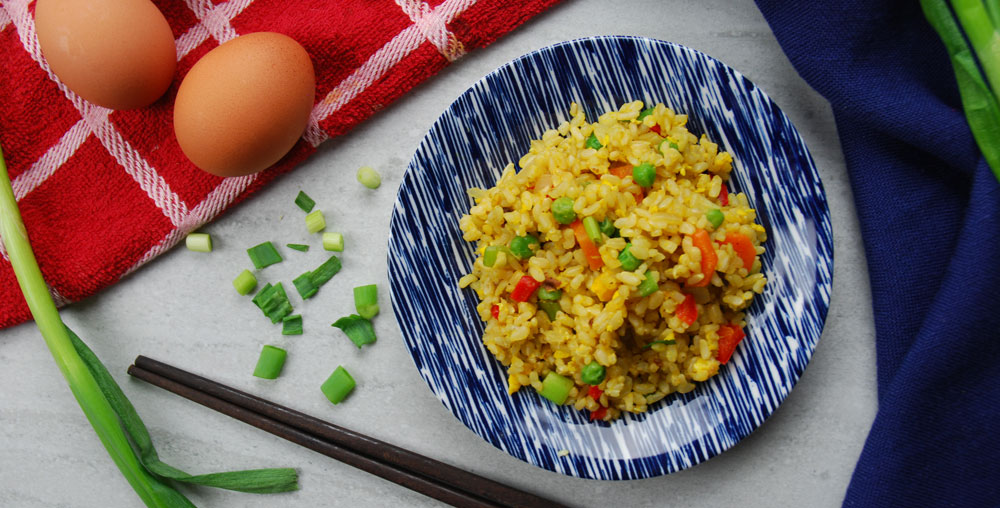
{"points": [[929, 209]]}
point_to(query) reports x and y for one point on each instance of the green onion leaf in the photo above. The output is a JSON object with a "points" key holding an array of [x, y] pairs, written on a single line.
{"points": [[298, 246], [245, 282], [592, 142], [646, 112], [369, 177], [264, 255], [291, 325], [357, 328], [315, 221], [273, 302], [326, 271], [199, 242], [628, 260], [333, 242], [608, 227], [366, 300], [338, 385], [304, 285], [550, 307], [648, 285], [305, 202], [270, 362]]}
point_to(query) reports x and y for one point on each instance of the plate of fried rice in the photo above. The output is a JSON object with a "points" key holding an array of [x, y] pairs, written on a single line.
{"points": [[612, 257]]}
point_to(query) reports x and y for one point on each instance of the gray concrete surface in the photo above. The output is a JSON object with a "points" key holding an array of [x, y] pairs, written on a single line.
{"points": [[181, 308]]}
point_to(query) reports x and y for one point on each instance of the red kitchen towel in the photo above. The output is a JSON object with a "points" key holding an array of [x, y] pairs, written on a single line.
{"points": [[102, 192]]}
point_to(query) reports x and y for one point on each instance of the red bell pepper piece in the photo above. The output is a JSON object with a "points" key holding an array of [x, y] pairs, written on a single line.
{"points": [[709, 259], [587, 245], [743, 247], [729, 336], [495, 310], [595, 393], [599, 414], [724, 196], [687, 311], [656, 129], [524, 289]]}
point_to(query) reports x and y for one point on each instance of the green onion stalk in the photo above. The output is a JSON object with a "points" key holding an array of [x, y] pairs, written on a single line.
{"points": [[111, 414], [977, 67]]}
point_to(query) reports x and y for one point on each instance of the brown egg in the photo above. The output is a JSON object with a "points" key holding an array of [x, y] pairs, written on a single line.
{"points": [[243, 106], [119, 54]]}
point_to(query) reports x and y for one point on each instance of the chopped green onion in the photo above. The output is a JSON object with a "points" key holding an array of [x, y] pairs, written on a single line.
{"points": [[369, 177], [646, 112], [110, 413], [273, 302], [338, 385], [592, 142], [490, 255], [366, 300], [305, 286], [550, 307], [593, 230], [644, 174], [305, 202], [648, 285], [628, 260], [545, 293], [245, 282], [520, 246], [291, 325], [608, 227], [715, 217], [333, 242], [315, 221], [357, 328], [673, 145], [664, 342], [298, 246], [270, 362], [555, 387], [199, 242], [326, 271], [264, 255], [592, 373], [562, 210]]}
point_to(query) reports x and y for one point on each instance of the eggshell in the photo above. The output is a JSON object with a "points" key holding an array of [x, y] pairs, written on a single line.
{"points": [[243, 106], [119, 54]]}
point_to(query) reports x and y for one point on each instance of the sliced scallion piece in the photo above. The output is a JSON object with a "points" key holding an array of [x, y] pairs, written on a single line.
{"points": [[291, 325], [357, 328], [270, 362], [305, 202], [273, 302], [366, 300], [648, 285], [298, 246], [264, 255], [550, 307], [593, 230], [245, 282], [369, 177], [199, 242], [315, 221], [304, 285], [338, 385], [646, 112], [326, 271], [333, 242], [592, 142], [490, 255]]}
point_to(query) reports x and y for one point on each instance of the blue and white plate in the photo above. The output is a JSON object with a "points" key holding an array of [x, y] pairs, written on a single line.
{"points": [[491, 125]]}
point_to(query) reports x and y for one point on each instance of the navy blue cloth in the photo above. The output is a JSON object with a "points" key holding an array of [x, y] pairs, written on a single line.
{"points": [[929, 209]]}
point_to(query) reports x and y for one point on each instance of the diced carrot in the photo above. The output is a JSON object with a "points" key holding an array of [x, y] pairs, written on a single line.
{"points": [[687, 311], [729, 336], [709, 259], [587, 245], [620, 169], [743, 247]]}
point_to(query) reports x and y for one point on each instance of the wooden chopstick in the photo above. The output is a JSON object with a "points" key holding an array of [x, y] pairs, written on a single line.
{"points": [[422, 474]]}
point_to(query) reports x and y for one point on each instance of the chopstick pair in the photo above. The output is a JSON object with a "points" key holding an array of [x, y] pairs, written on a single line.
{"points": [[422, 474]]}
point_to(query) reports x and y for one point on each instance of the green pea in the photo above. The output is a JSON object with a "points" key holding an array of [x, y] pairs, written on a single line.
{"points": [[644, 174], [521, 246], [592, 373], [715, 217], [562, 210]]}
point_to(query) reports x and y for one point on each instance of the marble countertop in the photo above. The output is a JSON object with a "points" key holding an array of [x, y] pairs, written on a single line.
{"points": [[181, 308]]}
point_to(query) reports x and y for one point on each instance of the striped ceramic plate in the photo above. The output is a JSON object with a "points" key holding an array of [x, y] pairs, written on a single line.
{"points": [[492, 124]]}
